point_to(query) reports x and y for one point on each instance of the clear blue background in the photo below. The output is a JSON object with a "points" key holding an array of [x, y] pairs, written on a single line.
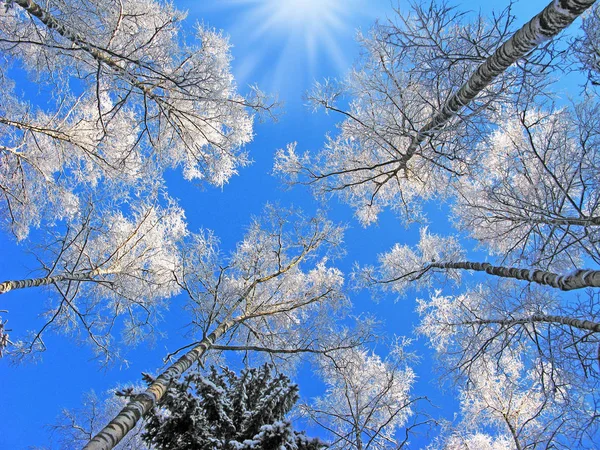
{"points": [[32, 395]]}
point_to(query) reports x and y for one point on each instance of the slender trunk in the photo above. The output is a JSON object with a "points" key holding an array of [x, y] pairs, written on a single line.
{"points": [[124, 422], [52, 23], [578, 280], [558, 15], [99, 54], [593, 221], [359, 445], [513, 432], [140, 405], [587, 325], [355, 417], [44, 281]]}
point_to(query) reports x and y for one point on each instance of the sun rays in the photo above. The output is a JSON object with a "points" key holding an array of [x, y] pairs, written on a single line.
{"points": [[292, 38]]}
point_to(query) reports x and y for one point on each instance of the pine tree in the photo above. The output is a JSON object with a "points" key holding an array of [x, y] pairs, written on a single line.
{"points": [[224, 411]]}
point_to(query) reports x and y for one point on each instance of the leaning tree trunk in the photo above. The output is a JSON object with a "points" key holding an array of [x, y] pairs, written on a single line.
{"points": [[557, 16], [513, 432], [578, 280], [587, 325], [44, 281], [141, 404], [593, 221], [98, 53], [54, 24], [125, 421]]}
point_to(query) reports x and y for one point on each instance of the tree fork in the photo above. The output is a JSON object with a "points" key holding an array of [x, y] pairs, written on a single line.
{"points": [[557, 16], [578, 280], [124, 422]]}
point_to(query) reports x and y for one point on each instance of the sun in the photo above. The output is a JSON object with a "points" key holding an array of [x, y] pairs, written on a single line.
{"points": [[311, 24], [307, 14], [296, 34]]}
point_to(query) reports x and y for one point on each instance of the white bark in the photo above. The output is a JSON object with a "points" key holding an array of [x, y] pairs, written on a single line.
{"points": [[557, 16], [399, 144], [578, 280], [260, 298], [128, 417]]}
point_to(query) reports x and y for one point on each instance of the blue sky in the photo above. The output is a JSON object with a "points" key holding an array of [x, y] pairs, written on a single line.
{"points": [[282, 51]]}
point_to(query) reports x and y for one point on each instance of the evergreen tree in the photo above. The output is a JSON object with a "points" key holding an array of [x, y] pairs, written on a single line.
{"points": [[223, 411]]}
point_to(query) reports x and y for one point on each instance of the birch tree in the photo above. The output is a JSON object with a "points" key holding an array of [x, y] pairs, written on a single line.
{"points": [[535, 197], [367, 400], [506, 399], [422, 97], [436, 260], [517, 315], [553, 342], [128, 93], [104, 266], [275, 294]]}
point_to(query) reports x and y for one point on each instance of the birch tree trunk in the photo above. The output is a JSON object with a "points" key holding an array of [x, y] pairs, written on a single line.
{"points": [[53, 24], [569, 321], [47, 19], [563, 221], [579, 280], [10, 285], [124, 422], [513, 432], [99, 54], [557, 16]]}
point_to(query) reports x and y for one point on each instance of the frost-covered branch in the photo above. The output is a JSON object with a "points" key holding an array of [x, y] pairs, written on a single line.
{"points": [[107, 265], [367, 399], [404, 267], [535, 198], [552, 346], [147, 98], [428, 89], [261, 297]]}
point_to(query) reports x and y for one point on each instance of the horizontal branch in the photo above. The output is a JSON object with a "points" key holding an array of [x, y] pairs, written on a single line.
{"points": [[254, 348]]}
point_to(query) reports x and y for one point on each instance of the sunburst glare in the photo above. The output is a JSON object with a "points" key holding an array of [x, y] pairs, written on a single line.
{"points": [[304, 13], [292, 37]]}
